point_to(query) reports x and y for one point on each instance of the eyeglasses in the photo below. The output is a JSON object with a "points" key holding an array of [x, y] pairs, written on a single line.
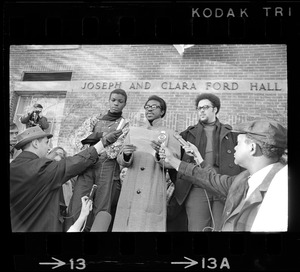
{"points": [[152, 107], [206, 107]]}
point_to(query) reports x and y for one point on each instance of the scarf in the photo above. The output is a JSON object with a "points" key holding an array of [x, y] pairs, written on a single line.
{"points": [[111, 116]]}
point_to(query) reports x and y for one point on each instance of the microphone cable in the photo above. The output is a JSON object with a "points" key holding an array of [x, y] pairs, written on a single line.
{"points": [[211, 214], [209, 207], [79, 209]]}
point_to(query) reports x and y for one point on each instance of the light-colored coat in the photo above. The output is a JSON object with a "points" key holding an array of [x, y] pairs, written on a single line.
{"points": [[142, 204]]}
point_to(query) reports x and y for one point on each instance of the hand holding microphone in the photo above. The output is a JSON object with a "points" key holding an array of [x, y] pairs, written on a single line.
{"points": [[87, 206], [156, 145], [165, 153], [192, 150], [189, 148]]}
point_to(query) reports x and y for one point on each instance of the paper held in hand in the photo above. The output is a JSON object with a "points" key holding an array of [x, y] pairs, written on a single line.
{"points": [[142, 137]]}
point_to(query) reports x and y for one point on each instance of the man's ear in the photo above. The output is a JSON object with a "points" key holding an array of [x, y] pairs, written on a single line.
{"points": [[255, 149], [35, 143]]}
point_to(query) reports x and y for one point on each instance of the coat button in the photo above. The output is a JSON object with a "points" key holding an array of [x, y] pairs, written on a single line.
{"points": [[138, 192], [188, 160], [142, 168], [228, 151], [230, 164]]}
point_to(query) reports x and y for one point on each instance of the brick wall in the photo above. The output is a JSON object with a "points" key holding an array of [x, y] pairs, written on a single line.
{"points": [[160, 62], [127, 62]]}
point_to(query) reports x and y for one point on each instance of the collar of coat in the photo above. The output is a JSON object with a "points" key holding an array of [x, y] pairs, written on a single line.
{"points": [[263, 187], [240, 191], [27, 155], [156, 123], [11, 148], [225, 128]]}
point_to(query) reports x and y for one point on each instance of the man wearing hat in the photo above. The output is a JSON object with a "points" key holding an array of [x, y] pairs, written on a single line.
{"points": [[260, 147], [35, 118], [35, 181], [13, 132]]}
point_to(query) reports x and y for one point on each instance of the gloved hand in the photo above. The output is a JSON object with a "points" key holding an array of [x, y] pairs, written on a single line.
{"points": [[111, 137], [92, 138], [155, 145]]}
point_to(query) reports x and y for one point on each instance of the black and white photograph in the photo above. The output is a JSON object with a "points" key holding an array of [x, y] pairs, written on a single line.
{"points": [[133, 104], [151, 136]]}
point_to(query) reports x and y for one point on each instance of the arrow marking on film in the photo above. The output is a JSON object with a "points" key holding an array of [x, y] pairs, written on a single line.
{"points": [[190, 263], [58, 263]]}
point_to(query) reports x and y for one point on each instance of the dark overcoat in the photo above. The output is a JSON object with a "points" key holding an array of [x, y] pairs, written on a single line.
{"points": [[226, 142], [35, 187]]}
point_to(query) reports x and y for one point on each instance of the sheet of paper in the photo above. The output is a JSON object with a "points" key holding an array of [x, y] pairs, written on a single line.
{"points": [[142, 137]]}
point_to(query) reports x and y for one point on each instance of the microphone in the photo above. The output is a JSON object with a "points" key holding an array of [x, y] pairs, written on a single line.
{"points": [[162, 137], [35, 117], [184, 143], [101, 222]]}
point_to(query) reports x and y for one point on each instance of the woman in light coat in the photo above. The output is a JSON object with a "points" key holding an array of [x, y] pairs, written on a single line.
{"points": [[142, 204]]}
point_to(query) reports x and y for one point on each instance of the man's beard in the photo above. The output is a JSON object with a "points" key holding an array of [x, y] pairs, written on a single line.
{"points": [[204, 120]]}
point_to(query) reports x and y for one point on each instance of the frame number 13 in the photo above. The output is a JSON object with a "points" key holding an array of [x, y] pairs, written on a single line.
{"points": [[78, 264]]}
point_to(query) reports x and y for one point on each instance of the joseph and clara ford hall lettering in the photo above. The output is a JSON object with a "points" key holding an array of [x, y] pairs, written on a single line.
{"points": [[201, 85]]}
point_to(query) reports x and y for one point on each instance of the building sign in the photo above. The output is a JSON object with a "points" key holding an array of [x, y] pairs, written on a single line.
{"points": [[172, 85], [154, 86]]}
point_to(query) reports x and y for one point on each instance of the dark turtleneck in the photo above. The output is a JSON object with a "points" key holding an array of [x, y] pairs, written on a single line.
{"points": [[212, 131], [209, 124], [209, 151], [112, 116]]}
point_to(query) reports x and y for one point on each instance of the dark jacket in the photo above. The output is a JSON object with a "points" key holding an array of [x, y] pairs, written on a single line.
{"points": [[238, 215], [35, 187], [224, 145], [41, 121]]}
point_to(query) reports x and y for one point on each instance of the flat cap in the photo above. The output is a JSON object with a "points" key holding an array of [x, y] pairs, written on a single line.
{"points": [[267, 131]]}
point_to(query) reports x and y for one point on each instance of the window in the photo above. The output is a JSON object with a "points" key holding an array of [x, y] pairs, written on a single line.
{"points": [[56, 76], [53, 106]]}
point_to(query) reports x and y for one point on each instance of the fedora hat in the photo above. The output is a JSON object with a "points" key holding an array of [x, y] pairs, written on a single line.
{"points": [[30, 134]]}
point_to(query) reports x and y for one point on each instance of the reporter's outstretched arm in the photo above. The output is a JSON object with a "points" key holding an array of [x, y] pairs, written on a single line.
{"points": [[99, 147], [106, 140], [203, 175]]}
